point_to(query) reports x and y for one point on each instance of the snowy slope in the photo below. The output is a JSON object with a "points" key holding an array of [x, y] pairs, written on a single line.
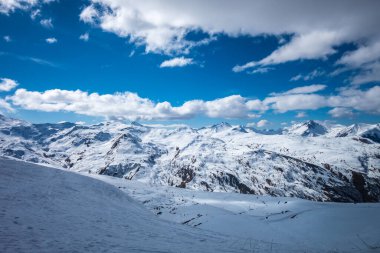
{"points": [[262, 223], [309, 161], [49, 210], [309, 128]]}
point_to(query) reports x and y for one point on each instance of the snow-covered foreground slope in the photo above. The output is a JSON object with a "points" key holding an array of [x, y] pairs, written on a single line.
{"points": [[307, 160], [263, 223], [49, 210]]}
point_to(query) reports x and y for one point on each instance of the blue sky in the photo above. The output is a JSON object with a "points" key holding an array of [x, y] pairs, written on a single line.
{"points": [[91, 61]]}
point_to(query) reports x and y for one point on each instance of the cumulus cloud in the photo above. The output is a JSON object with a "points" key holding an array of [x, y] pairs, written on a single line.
{"points": [[361, 56], [341, 112], [284, 103], [130, 106], [51, 40], [7, 84], [127, 105], [313, 45], [361, 100], [162, 26], [8, 6], [366, 60], [177, 62], [369, 73], [84, 37], [262, 123], [89, 14], [47, 23], [317, 26]]}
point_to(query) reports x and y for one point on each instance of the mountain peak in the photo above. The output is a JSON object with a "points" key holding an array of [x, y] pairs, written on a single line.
{"points": [[308, 128], [221, 125]]}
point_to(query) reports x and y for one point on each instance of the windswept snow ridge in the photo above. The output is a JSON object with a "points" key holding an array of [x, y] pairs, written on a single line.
{"points": [[310, 160]]}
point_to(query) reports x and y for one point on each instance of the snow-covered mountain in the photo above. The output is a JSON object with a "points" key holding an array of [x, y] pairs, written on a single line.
{"points": [[368, 131], [310, 128], [310, 160]]}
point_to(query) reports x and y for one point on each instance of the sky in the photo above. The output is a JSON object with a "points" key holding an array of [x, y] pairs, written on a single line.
{"points": [[263, 63]]}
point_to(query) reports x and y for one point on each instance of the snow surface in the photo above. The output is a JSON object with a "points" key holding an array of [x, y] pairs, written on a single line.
{"points": [[263, 223], [50, 210], [44, 209]]}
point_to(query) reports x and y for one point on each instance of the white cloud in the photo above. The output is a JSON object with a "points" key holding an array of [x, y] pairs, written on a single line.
{"points": [[132, 53], [262, 123], [284, 103], [313, 45], [47, 23], [7, 38], [130, 106], [35, 14], [369, 73], [84, 37], [89, 14], [8, 6], [309, 76], [51, 40], [7, 84], [365, 60], [341, 112], [177, 62], [261, 70], [361, 56], [162, 26], [127, 105], [5, 105], [256, 105], [303, 89], [301, 115], [360, 100]]}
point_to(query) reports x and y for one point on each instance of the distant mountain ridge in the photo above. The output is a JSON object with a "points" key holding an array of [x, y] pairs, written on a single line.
{"points": [[309, 160]]}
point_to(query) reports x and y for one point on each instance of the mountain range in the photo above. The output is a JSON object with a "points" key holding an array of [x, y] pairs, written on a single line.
{"points": [[311, 160]]}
